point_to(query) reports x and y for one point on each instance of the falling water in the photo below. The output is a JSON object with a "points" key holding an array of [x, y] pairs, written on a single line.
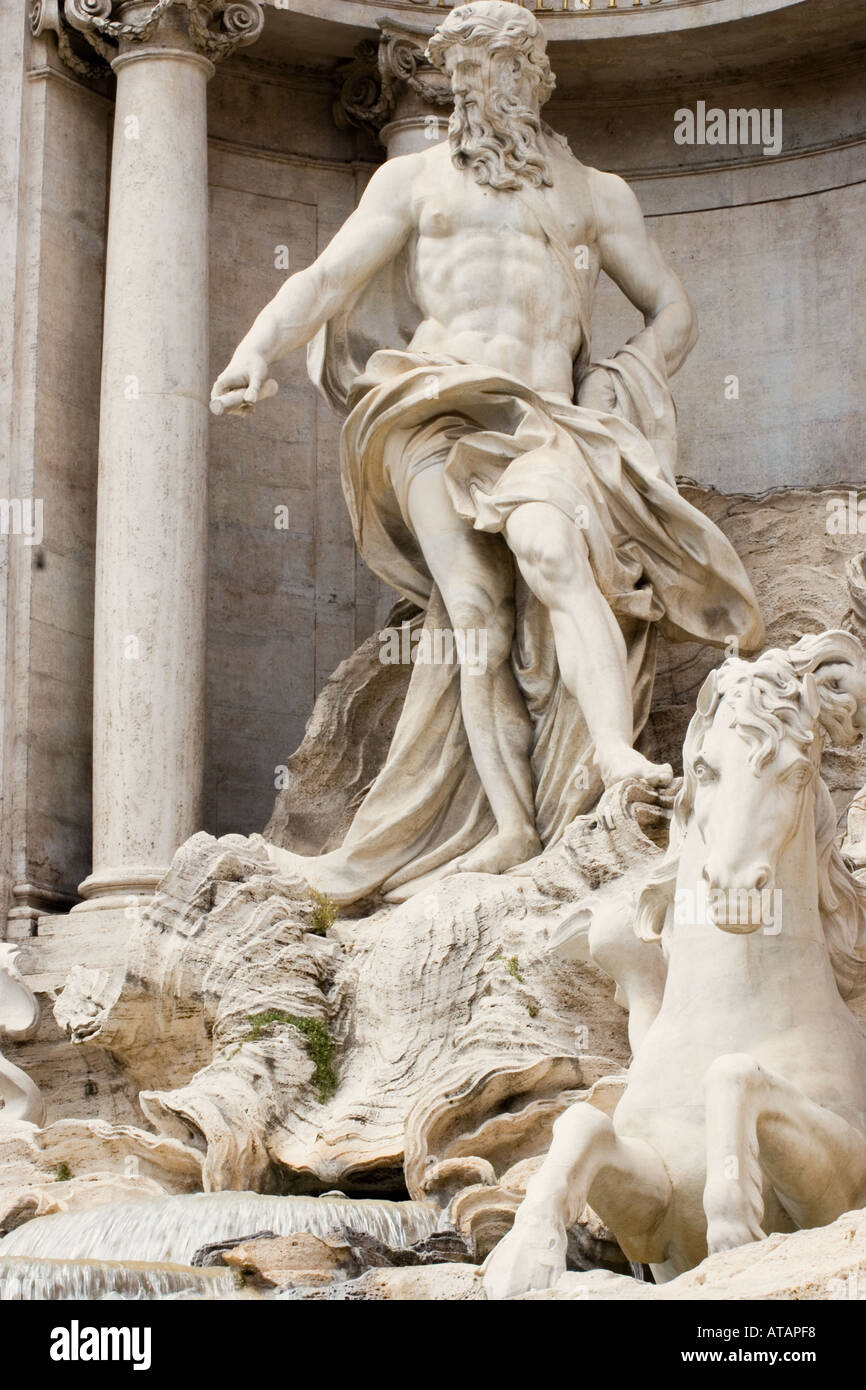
{"points": [[24, 1279], [169, 1230]]}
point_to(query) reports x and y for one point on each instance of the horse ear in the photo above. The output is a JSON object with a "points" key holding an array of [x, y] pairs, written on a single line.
{"points": [[811, 698], [708, 695]]}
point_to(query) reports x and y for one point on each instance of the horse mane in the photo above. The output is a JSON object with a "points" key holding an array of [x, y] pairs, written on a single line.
{"points": [[801, 694]]}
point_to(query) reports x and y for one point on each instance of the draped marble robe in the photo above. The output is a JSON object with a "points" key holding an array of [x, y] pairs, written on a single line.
{"points": [[661, 564]]}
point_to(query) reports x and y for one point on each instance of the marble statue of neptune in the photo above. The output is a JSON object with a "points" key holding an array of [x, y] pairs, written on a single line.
{"points": [[498, 478]]}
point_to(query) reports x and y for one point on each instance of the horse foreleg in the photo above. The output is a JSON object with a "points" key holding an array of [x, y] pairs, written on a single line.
{"points": [[624, 1179], [638, 967], [760, 1126]]}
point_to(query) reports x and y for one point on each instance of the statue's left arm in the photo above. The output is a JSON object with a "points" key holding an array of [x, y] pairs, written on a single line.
{"points": [[634, 262]]}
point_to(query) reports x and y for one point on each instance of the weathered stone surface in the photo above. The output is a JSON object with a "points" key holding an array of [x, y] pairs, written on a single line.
{"points": [[345, 744], [318, 1260], [828, 1263], [456, 1283], [288, 1260], [73, 1165], [457, 1035]]}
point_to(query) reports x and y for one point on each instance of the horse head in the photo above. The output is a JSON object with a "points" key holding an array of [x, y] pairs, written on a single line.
{"points": [[752, 759]]}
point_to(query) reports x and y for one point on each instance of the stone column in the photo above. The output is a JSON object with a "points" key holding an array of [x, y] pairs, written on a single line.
{"points": [[151, 549]]}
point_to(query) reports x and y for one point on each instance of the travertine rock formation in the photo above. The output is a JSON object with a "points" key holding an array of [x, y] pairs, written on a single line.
{"points": [[828, 1263], [73, 1165], [441, 1009], [439, 1037]]}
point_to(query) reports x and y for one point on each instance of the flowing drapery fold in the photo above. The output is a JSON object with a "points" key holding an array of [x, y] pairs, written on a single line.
{"points": [[661, 565]]}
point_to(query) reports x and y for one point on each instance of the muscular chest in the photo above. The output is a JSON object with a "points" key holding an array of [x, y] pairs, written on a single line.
{"points": [[458, 207]]}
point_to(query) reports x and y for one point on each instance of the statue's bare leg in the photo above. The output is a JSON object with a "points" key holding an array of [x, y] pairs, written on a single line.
{"points": [[760, 1126], [553, 558], [475, 576], [624, 1180]]}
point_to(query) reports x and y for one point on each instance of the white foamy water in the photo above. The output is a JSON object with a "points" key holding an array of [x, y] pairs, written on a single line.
{"points": [[27, 1280], [169, 1230]]}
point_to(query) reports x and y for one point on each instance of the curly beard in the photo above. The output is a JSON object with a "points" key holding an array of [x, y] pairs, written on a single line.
{"points": [[497, 137]]}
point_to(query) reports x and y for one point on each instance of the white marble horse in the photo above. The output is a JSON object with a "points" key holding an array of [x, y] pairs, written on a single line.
{"points": [[745, 1108], [19, 1019]]}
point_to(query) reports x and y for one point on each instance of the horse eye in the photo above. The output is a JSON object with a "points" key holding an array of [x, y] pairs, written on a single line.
{"points": [[799, 776], [702, 770]]}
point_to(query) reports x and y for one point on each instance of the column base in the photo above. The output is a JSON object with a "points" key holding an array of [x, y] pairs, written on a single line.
{"points": [[30, 902], [119, 888]]}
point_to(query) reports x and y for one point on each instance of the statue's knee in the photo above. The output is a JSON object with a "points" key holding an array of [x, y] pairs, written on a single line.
{"points": [[483, 629], [554, 552]]}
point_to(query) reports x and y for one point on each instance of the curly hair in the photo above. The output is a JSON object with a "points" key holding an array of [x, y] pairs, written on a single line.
{"points": [[501, 27], [498, 138]]}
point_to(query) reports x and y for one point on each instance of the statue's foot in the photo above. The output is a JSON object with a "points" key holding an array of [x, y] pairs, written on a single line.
{"points": [[619, 764], [531, 1256], [504, 851]]}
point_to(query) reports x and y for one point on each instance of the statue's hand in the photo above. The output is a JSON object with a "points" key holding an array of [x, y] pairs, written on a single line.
{"points": [[244, 382]]}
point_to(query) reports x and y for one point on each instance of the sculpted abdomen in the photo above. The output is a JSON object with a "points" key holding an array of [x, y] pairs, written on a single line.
{"points": [[491, 276], [502, 298]]}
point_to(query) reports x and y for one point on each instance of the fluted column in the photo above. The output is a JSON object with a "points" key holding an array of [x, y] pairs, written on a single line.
{"points": [[151, 555]]}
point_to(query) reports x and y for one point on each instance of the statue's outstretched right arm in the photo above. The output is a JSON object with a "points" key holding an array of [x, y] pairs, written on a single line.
{"points": [[374, 234]]}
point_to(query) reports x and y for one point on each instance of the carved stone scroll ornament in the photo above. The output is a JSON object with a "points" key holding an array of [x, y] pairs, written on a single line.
{"points": [[216, 28], [379, 73]]}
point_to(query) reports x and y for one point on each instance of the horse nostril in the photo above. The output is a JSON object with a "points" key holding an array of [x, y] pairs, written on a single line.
{"points": [[762, 877]]}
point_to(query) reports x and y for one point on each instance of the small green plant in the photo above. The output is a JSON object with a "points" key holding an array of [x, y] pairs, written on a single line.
{"points": [[260, 1022], [62, 1173], [511, 965], [320, 1046], [513, 969], [532, 1010], [324, 913]]}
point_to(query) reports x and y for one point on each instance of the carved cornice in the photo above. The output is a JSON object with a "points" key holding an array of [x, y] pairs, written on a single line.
{"points": [[379, 73], [216, 28]]}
